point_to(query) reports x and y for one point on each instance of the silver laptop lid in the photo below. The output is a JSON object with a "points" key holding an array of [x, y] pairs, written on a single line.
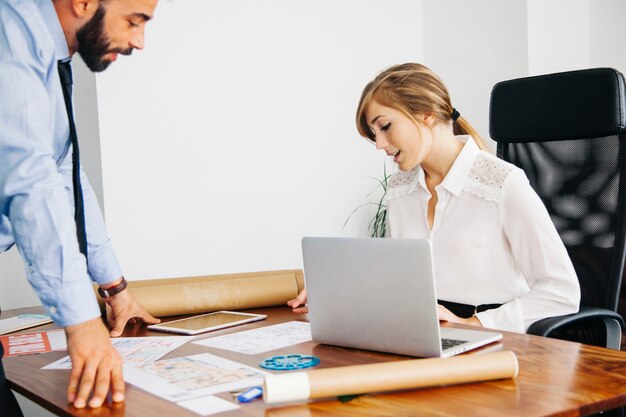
{"points": [[376, 294]]}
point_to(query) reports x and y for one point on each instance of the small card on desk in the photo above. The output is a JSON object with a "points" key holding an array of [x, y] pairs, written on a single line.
{"points": [[23, 321]]}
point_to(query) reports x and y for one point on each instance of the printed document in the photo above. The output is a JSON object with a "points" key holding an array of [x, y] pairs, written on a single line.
{"points": [[263, 339], [193, 376], [135, 351], [37, 342]]}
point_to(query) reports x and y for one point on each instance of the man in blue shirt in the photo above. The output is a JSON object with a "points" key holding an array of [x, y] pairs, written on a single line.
{"points": [[37, 39]]}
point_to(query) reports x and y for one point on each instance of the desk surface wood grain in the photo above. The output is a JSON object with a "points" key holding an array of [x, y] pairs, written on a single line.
{"points": [[556, 378]]}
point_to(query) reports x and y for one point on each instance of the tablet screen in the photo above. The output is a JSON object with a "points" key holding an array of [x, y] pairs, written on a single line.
{"points": [[207, 320]]}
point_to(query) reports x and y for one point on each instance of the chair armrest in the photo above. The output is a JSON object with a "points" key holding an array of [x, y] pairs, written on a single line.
{"points": [[545, 326], [612, 320]]}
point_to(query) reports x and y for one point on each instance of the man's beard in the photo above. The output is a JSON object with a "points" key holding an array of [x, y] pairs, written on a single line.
{"points": [[93, 43]]}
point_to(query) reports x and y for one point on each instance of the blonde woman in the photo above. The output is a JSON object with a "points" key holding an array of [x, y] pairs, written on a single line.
{"points": [[499, 261]]}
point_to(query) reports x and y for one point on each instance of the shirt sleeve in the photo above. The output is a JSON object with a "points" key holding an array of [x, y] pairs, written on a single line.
{"points": [[32, 191], [540, 255], [103, 266]]}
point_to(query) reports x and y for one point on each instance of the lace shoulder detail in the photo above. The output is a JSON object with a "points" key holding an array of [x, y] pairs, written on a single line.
{"points": [[400, 183], [487, 176]]}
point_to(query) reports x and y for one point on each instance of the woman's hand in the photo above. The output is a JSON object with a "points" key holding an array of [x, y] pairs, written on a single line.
{"points": [[446, 315], [297, 304]]}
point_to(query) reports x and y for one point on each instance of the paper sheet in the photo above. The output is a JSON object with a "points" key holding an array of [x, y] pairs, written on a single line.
{"points": [[36, 342], [57, 340], [135, 351], [207, 406], [23, 321], [192, 377], [263, 339], [194, 295]]}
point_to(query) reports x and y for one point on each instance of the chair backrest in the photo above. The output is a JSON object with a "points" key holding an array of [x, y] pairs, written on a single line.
{"points": [[567, 132]]}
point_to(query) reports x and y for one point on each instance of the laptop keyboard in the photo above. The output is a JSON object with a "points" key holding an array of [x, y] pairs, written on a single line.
{"points": [[450, 343]]}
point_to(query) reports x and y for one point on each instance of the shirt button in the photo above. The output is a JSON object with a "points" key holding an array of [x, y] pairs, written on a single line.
{"points": [[30, 268], [53, 310]]}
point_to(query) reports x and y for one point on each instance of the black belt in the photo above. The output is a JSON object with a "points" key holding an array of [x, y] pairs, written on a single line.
{"points": [[465, 310]]}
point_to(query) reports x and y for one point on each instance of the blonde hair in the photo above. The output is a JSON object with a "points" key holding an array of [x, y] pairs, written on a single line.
{"points": [[412, 88]]}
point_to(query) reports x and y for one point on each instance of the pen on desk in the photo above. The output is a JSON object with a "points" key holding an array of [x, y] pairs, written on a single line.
{"points": [[250, 394]]}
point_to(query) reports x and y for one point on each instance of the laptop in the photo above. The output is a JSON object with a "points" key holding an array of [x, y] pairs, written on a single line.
{"points": [[379, 294]]}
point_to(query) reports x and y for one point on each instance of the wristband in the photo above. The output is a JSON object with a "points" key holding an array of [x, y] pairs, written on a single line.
{"points": [[111, 291]]}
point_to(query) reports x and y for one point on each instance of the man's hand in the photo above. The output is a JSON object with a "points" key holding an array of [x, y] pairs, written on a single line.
{"points": [[125, 308], [297, 304], [96, 365], [446, 315]]}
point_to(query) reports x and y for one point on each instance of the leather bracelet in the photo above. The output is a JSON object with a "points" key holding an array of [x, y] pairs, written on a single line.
{"points": [[111, 291]]}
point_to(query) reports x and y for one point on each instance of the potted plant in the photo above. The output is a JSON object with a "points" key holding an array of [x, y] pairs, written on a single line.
{"points": [[378, 224]]}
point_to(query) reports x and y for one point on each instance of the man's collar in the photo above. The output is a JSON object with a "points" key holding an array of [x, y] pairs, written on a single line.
{"points": [[49, 14]]}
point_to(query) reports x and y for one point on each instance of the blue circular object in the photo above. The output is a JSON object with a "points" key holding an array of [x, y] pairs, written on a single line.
{"points": [[289, 362]]}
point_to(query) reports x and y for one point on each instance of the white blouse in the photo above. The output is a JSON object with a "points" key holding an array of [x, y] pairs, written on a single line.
{"points": [[493, 240]]}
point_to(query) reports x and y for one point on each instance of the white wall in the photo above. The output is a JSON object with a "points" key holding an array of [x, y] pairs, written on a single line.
{"points": [[607, 34], [558, 35], [566, 35], [472, 45], [224, 145]]}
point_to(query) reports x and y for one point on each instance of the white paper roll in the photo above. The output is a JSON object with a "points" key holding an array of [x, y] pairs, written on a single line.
{"points": [[286, 387]]}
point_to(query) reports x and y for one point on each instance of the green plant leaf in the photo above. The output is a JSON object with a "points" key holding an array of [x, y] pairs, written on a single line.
{"points": [[378, 224]]}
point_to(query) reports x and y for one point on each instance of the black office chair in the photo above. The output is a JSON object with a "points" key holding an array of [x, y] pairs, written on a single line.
{"points": [[567, 132]]}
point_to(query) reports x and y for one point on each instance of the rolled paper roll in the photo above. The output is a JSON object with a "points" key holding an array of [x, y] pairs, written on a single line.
{"points": [[389, 376], [202, 294]]}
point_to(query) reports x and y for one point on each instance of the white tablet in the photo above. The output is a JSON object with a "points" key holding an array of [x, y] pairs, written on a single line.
{"points": [[206, 322]]}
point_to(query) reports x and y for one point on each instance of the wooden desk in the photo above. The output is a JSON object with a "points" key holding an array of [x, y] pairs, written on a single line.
{"points": [[556, 378]]}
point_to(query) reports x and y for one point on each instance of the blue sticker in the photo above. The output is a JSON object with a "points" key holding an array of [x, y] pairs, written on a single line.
{"points": [[289, 362]]}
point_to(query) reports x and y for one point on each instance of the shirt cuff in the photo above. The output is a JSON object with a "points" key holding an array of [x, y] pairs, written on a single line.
{"points": [[71, 304], [507, 317], [485, 320], [103, 266]]}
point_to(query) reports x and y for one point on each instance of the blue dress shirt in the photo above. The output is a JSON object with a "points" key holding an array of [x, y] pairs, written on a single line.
{"points": [[36, 202]]}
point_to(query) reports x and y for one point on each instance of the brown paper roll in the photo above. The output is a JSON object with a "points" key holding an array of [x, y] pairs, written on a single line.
{"points": [[388, 376], [193, 295]]}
